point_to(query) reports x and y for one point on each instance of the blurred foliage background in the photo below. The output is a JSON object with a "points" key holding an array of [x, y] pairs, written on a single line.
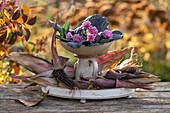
{"points": [[145, 24]]}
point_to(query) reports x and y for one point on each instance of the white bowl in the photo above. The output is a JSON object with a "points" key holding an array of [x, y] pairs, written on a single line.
{"points": [[88, 94], [86, 50]]}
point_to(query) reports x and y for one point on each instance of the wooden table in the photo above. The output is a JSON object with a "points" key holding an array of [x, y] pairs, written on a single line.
{"points": [[157, 100]]}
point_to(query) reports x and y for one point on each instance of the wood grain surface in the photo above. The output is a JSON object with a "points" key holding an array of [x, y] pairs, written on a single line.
{"points": [[157, 100]]}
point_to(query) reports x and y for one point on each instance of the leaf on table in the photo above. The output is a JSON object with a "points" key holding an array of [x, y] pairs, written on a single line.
{"points": [[33, 63], [112, 58], [31, 84], [32, 102], [109, 65], [128, 84], [44, 81], [103, 83], [58, 61], [146, 80], [24, 77], [70, 70]]}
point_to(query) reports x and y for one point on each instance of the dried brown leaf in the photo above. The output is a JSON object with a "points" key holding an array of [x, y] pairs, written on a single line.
{"points": [[32, 102]]}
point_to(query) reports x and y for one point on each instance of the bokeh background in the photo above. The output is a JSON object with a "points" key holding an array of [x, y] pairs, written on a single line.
{"points": [[145, 24]]}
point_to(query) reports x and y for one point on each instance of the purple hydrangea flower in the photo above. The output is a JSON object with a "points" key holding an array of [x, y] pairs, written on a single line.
{"points": [[77, 38], [108, 34], [69, 35], [93, 30], [86, 24], [90, 38]]}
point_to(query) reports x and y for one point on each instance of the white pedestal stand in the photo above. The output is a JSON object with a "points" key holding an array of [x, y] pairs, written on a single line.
{"points": [[86, 67]]}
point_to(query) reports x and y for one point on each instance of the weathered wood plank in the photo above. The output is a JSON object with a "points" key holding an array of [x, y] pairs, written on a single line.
{"points": [[159, 87], [141, 101], [75, 106]]}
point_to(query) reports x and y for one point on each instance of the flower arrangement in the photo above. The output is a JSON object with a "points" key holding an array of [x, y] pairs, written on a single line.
{"points": [[57, 73], [91, 32]]}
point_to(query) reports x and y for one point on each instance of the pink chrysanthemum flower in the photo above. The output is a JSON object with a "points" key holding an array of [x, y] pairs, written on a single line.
{"points": [[77, 38], [86, 24], [93, 30], [90, 38], [108, 34], [69, 35]]}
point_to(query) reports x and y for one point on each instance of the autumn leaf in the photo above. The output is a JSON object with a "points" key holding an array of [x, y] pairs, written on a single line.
{"points": [[16, 69], [16, 14], [32, 102], [110, 59], [25, 9], [27, 31], [31, 20], [3, 34]]}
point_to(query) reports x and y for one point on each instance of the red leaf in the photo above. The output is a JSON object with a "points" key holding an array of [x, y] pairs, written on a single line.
{"points": [[16, 69], [53, 49], [24, 17], [58, 61], [16, 15], [3, 35], [33, 63], [32, 21], [27, 36], [117, 54]]}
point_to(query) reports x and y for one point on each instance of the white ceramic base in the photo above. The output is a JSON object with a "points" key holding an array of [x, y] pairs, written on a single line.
{"points": [[88, 94], [86, 67]]}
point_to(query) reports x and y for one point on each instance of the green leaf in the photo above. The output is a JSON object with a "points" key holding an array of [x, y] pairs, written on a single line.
{"points": [[58, 36], [59, 28], [2, 13], [65, 40], [98, 21], [104, 41], [9, 35], [66, 27]]}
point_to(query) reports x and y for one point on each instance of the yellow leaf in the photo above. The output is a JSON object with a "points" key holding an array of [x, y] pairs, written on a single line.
{"points": [[167, 43], [25, 9], [1, 22]]}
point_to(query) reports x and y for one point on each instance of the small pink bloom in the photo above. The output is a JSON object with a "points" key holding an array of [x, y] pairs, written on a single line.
{"points": [[93, 30], [77, 38], [17, 1], [69, 35], [108, 34], [90, 38], [86, 24]]}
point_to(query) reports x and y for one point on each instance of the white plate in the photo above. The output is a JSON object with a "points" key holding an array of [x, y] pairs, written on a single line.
{"points": [[88, 94]]}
